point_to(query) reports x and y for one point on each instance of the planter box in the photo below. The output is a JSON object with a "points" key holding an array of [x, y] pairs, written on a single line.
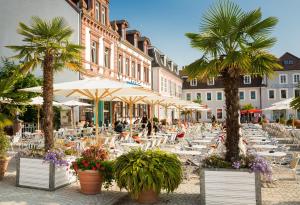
{"points": [[36, 173], [229, 186]]}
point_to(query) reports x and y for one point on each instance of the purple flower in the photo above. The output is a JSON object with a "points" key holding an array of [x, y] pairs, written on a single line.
{"points": [[56, 157], [260, 165], [236, 165]]}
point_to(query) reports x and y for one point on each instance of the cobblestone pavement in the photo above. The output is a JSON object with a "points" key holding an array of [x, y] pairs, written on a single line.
{"points": [[284, 192]]}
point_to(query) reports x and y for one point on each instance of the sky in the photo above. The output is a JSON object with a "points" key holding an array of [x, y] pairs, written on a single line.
{"points": [[165, 22]]}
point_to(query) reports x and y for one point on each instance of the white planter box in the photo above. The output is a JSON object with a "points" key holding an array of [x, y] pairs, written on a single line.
{"points": [[229, 186], [36, 173]]}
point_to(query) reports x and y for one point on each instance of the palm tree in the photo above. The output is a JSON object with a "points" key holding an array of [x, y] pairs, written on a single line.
{"points": [[47, 44], [234, 43]]}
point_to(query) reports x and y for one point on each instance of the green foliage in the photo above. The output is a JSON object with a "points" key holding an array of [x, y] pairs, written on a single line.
{"points": [[215, 161], [155, 119], [4, 143], [139, 171], [248, 107], [199, 101]]}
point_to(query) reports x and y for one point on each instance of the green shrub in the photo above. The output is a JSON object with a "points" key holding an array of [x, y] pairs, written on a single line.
{"points": [[139, 171]]}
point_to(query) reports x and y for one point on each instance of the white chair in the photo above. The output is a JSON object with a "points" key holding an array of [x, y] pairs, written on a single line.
{"points": [[16, 141]]}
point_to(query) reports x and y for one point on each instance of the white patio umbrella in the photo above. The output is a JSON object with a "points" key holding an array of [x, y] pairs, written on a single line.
{"points": [[284, 102], [38, 102], [72, 104], [96, 89]]}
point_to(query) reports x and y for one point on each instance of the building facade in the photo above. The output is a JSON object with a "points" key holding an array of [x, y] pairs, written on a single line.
{"points": [[166, 81], [211, 94], [282, 85]]}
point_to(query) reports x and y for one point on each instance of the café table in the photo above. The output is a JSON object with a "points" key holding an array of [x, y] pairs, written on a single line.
{"points": [[265, 146]]}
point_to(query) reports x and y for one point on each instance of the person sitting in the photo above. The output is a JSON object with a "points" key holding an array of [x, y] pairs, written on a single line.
{"points": [[144, 120], [86, 124]]}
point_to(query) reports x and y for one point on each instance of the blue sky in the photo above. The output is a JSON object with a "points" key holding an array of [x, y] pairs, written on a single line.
{"points": [[166, 21]]}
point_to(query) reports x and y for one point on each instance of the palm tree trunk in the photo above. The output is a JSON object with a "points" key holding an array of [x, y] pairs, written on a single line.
{"points": [[231, 84], [48, 99]]}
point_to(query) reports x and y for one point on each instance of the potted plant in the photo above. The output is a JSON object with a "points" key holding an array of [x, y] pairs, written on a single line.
{"points": [[236, 182], [145, 173], [93, 169], [4, 145], [47, 171]]}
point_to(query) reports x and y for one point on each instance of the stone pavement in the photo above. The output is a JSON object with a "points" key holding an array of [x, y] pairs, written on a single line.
{"points": [[285, 192]]}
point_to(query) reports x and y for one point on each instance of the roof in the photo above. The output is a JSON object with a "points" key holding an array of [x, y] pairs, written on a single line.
{"points": [[121, 21], [294, 62], [133, 32]]}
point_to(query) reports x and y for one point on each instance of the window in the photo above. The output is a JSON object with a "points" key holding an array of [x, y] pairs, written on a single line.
{"points": [[170, 87], [139, 73], [297, 92], [208, 115], [211, 81], [162, 84], [288, 62], [271, 94], [283, 79], [198, 96], [107, 57], [146, 75], [188, 96], [219, 95], [208, 96], [242, 95], [219, 113], [283, 94], [252, 95], [165, 85], [127, 67], [120, 66], [247, 79], [193, 82], [296, 78], [133, 69], [97, 11], [94, 52], [103, 15]]}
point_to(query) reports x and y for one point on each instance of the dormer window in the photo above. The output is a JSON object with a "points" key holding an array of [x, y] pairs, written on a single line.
{"points": [[145, 47], [97, 11], [193, 82], [247, 79], [211, 81], [103, 15], [288, 62]]}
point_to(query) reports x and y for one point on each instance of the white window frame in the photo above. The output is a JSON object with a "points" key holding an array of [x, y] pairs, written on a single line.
{"points": [[250, 94], [208, 111], [193, 82], [287, 94], [103, 15], [211, 96], [269, 94], [217, 95], [295, 91], [243, 91], [217, 113], [97, 11], [294, 78], [200, 96], [187, 97], [286, 78], [211, 81], [245, 77]]}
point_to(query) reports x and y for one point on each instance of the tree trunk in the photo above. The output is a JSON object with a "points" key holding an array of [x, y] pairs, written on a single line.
{"points": [[48, 99], [231, 84]]}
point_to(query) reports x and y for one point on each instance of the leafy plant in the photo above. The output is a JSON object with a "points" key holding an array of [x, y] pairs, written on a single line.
{"points": [[4, 143], [234, 43], [248, 107], [95, 158], [139, 171]]}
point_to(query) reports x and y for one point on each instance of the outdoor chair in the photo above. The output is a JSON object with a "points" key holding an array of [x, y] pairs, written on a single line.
{"points": [[16, 141]]}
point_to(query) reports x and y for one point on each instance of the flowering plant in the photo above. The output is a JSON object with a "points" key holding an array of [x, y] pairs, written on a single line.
{"points": [[57, 157], [95, 158]]}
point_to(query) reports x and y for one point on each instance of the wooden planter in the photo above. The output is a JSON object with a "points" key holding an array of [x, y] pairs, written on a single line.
{"points": [[229, 186], [38, 174]]}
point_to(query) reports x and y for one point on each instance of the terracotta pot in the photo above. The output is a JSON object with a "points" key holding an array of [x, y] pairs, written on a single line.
{"points": [[3, 166], [90, 181], [148, 197]]}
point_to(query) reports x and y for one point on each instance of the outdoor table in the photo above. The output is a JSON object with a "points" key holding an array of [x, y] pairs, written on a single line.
{"points": [[272, 154], [257, 138], [260, 141], [196, 147], [201, 141], [265, 146], [186, 152], [131, 144]]}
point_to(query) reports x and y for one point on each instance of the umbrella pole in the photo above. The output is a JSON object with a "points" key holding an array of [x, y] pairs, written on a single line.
{"points": [[97, 117], [130, 117], [38, 117], [166, 113], [72, 117], [152, 113]]}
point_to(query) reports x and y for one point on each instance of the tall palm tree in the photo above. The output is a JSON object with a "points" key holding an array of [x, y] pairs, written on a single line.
{"points": [[233, 43], [47, 44]]}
